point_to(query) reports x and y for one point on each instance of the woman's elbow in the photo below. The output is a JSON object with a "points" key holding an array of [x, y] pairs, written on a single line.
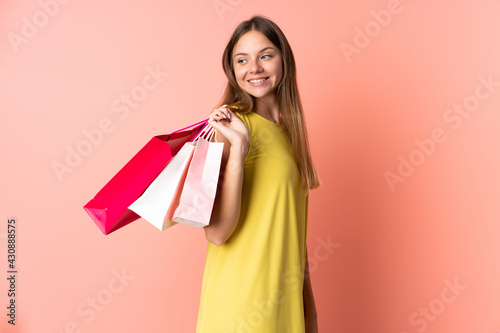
{"points": [[216, 236], [216, 241]]}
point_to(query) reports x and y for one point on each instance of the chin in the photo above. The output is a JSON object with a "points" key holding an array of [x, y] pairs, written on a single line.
{"points": [[257, 95]]}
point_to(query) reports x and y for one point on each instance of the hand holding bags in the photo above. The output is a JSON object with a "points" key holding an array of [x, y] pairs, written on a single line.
{"points": [[198, 195], [108, 209]]}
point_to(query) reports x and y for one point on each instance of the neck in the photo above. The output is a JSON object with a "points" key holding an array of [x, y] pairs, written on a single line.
{"points": [[267, 107]]}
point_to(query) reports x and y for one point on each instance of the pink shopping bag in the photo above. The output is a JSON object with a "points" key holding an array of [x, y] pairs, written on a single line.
{"points": [[198, 194], [109, 207]]}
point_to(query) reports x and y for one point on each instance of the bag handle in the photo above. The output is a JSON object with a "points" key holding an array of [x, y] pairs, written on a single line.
{"points": [[206, 133], [194, 125], [205, 122], [211, 134]]}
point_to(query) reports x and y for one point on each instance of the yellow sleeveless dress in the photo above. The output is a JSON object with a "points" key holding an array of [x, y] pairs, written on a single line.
{"points": [[253, 282]]}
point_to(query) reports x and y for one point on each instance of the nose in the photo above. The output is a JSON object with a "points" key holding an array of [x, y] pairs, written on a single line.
{"points": [[255, 66]]}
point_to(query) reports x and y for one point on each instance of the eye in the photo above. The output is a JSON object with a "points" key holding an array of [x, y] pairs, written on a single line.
{"points": [[267, 55], [239, 61]]}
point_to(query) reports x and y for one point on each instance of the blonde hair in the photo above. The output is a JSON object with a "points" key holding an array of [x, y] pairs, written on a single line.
{"points": [[288, 99]]}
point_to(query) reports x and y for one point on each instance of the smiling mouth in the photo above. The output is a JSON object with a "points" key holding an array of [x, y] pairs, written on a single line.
{"points": [[258, 80]]}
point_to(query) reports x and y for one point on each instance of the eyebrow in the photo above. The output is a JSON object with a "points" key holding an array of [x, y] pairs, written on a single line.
{"points": [[241, 53]]}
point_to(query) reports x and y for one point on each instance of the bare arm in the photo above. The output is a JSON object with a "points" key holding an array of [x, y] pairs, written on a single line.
{"points": [[310, 314], [225, 214]]}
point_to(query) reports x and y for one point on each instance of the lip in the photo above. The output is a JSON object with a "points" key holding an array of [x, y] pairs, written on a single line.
{"points": [[259, 83]]}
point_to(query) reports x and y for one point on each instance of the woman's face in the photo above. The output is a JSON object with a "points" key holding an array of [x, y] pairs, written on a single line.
{"points": [[257, 64]]}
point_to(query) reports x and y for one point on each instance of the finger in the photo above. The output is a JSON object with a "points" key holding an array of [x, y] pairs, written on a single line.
{"points": [[219, 114], [219, 124], [212, 122], [216, 116], [223, 111], [219, 127]]}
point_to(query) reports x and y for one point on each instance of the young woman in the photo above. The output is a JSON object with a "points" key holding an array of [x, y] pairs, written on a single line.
{"points": [[256, 275]]}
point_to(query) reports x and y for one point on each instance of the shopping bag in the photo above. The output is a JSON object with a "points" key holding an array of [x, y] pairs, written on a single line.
{"points": [[109, 207], [159, 200], [198, 194]]}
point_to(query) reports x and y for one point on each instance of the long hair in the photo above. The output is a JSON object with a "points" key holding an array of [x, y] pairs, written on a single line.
{"points": [[288, 99]]}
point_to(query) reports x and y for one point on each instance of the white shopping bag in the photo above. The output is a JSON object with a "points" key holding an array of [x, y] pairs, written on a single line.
{"points": [[158, 202]]}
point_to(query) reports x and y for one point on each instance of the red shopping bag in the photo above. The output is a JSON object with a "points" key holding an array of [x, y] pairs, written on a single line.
{"points": [[109, 208]]}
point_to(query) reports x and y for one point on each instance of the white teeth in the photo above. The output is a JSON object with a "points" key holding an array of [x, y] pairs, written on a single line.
{"points": [[257, 81]]}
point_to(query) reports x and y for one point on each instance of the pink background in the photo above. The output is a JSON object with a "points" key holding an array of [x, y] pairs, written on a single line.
{"points": [[381, 257]]}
